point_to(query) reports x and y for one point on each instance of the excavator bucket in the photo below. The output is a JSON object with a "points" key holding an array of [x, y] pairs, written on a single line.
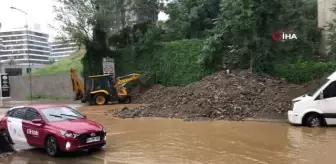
{"points": [[142, 79], [134, 76]]}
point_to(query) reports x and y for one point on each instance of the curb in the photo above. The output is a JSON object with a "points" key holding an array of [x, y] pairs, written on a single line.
{"points": [[266, 120]]}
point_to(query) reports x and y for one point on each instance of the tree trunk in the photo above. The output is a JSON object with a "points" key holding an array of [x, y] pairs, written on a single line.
{"points": [[250, 70]]}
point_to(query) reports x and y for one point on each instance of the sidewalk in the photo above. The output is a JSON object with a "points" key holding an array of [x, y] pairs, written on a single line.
{"points": [[12, 103], [6, 104], [3, 112]]}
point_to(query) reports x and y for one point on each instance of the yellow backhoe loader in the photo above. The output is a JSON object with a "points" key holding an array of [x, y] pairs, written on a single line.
{"points": [[102, 89]]}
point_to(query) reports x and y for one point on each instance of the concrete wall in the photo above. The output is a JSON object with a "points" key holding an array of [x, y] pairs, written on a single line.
{"points": [[324, 13], [55, 86], [325, 16], [24, 68]]}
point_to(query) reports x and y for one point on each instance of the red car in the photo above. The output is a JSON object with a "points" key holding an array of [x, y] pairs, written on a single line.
{"points": [[56, 128]]}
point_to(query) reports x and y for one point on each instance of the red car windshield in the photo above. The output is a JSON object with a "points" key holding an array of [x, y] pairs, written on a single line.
{"points": [[61, 113]]}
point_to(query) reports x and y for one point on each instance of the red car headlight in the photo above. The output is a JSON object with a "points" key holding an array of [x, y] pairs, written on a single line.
{"points": [[68, 134]]}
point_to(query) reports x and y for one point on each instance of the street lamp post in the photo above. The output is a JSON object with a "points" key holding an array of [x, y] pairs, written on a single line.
{"points": [[26, 26]]}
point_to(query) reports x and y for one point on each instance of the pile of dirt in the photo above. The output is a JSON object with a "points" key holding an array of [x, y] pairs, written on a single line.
{"points": [[233, 96]]}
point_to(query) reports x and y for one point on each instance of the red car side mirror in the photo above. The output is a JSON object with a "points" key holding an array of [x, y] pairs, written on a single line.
{"points": [[38, 121]]}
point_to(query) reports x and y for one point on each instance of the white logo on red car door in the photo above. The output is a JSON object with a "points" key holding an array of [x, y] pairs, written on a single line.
{"points": [[32, 132], [16, 131]]}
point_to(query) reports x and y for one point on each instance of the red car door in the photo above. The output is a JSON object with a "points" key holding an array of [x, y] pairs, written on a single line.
{"points": [[34, 131], [14, 126], [4, 120], [3, 123]]}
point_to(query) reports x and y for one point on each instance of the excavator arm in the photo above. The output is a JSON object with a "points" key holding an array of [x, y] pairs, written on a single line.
{"points": [[77, 85], [126, 79], [123, 80]]}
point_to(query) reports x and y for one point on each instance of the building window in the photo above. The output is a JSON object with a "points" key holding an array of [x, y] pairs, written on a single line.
{"points": [[28, 70]]}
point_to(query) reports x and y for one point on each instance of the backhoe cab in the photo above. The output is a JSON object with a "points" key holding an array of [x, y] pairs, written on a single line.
{"points": [[102, 89]]}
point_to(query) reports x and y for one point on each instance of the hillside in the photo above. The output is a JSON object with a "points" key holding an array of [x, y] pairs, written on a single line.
{"points": [[63, 65]]}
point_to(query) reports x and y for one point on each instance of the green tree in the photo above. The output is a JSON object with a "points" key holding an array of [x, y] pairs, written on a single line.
{"points": [[147, 10], [91, 22], [242, 36], [190, 18], [88, 22]]}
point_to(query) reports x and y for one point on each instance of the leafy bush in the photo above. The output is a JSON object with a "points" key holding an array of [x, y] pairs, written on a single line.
{"points": [[242, 34], [179, 62], [303, 71], [175, 63]]}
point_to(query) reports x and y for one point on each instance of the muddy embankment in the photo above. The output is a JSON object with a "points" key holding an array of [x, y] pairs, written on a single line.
{"points": [[221, 96]]}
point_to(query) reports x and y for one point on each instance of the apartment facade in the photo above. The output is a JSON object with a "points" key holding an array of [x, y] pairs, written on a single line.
{"points": [[1, 46], [61, 49], [22, 49], [129, 14]]}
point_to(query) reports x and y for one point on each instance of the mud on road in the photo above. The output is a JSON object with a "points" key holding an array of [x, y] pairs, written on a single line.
{"points": [[173, 141]]}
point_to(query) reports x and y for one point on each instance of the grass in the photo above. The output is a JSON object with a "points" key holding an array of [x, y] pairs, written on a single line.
{"points": [[63, 66], [41, 97]]}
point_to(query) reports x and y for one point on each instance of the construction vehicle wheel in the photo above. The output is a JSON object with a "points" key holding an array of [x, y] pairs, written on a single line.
{"points": [[100, 99], [126, 100]]}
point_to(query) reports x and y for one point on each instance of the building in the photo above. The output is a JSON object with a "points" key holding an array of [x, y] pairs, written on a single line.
{"points": [[17, 45], [131, 13], [61, 49], [1, 46], [325, 15]]}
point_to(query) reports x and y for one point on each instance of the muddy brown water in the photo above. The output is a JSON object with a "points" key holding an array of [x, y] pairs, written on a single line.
{"points": [[161, 141]]}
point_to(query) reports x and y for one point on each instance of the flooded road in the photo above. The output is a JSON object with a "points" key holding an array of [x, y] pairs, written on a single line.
{"points": [[152, 141]]}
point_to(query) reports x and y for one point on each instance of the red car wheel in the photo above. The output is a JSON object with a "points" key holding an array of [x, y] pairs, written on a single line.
{"points": [[52, 146]]}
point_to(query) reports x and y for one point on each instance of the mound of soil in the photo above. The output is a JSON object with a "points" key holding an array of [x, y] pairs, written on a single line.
{"points": [[232, 96]]}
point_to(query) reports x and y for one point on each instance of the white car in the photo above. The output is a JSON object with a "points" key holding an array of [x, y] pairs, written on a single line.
{"points": [[317, 108]]}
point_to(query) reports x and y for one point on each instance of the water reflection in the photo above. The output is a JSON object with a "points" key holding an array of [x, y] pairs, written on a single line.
{"points": [[312, 145], [38, 156], [153, 141]]}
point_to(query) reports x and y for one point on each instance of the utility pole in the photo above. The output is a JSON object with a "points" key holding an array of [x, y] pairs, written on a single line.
{"points": [[27, 36]]}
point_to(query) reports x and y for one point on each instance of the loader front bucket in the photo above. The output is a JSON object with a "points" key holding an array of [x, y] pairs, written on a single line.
{"points": [[143, 79]]}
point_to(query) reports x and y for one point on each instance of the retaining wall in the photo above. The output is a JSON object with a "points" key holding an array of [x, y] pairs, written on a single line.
{"points": [[52, 86]]}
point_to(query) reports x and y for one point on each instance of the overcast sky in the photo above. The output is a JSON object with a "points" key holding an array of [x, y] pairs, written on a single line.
{"points": [[39, 12]]}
